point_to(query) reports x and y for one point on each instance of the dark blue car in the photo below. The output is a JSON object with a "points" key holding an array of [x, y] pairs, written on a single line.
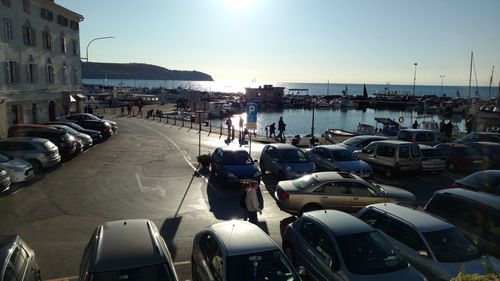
{"points": [[234, 165]]}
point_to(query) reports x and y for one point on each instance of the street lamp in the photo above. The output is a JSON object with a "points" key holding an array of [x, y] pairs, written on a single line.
{"points": [[414, 78], [95, 39], [442, 77]]}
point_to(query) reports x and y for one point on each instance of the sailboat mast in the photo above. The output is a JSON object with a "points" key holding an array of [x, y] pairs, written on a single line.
{"points": [[470, 73], [491, 81], [328, 88]]}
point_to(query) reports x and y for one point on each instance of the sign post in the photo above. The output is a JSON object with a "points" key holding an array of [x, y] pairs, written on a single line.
{"points": [[251, 122]]}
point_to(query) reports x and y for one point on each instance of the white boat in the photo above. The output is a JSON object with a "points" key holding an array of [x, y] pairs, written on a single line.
{"points": [[347, 103]]}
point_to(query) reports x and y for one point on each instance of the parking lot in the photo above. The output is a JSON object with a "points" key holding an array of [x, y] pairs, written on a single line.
{"points": [[147, 170]]}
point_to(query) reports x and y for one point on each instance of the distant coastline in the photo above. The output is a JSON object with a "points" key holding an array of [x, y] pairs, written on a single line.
{"points": [[140, 71]]}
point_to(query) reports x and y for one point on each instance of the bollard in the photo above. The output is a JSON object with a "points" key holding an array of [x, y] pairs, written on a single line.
{"points": [[133, 111], [210, 128], [167, 119], [220, 130], [113, 111], [232, 132], [160, 117], [182, 122], [175, 121], [192, 124]]}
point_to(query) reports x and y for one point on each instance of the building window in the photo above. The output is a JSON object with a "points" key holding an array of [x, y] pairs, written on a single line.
{"points": [[62, 20], [74, 25], [14, 116], [47, 38], [11, 72], [64, 73], [46, 14], [75, 47], [77, 76], [63, 43], [27, 6], [49, 72], [29, 34], [33, 112], [7, 27], [31, 71], [6, 3]]}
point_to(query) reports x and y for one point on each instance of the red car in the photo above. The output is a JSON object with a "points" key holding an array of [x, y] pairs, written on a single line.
{"points": [[461, 157]]}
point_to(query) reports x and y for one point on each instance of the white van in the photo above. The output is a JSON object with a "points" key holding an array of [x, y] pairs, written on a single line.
{"points": [[393, 157]]}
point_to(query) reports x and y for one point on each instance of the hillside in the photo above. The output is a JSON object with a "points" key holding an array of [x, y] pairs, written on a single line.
{"points": [[97, 70]]}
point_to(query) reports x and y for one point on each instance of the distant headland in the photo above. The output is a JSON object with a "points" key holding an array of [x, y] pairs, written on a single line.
{"points": [[140, 71]]}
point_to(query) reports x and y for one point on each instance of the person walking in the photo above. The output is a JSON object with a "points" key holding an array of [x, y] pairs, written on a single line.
{"points": [[240, 128], [272, 130], [229, 124], [449, 129], [442, 126], [415, 125], [122, 110], [253, 201], [281, 129]]}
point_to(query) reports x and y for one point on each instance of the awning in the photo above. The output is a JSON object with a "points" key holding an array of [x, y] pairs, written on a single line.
{"points": [[71, 98], [80, 97]]}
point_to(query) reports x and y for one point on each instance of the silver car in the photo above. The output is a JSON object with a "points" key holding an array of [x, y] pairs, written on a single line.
{"points": [[4, 180], [285, 161], [40, 153], [339, 158], [334, 245], [335, 190], [432, 160], [433, 246], [18, 169], [238, 250]]}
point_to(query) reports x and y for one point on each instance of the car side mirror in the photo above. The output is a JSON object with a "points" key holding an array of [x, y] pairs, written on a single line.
{"points": [[423, 253], [302, 270]]}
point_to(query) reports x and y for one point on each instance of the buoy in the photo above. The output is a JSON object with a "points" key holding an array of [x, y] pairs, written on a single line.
{"points": [[401, 119]]}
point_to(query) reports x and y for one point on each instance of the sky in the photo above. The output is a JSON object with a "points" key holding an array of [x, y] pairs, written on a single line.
{"points": [[341, 41]]}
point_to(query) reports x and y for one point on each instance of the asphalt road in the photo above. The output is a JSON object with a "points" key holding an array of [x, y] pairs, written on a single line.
{"points": [[148, 170]]}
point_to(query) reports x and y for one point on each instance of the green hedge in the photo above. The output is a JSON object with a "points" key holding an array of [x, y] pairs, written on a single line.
{"points": [[476, 277]]}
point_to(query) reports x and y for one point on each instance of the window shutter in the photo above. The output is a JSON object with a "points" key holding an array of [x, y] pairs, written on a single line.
{"points": [[28, 73], [25, 35], [17, 73], [33, 37], [35, 73], [47, 74], [7, 72]]}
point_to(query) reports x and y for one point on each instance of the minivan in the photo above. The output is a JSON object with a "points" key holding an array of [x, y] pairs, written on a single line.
{"points": [[420, 136], [477, 214], [392, 157]]}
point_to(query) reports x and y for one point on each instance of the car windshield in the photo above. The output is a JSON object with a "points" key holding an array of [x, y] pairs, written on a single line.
{"points": [[434, 152], [344, 155], [369, 253], [451, 245], [156, 272], [304, 182], [271, 265], [75, 126], [4, 158], [489, 179], [236, 158], [70, 130], [294, 156], [352, 141]]}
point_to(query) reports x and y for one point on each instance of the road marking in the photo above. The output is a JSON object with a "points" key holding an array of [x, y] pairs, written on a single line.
{"points": [[143, 188]]}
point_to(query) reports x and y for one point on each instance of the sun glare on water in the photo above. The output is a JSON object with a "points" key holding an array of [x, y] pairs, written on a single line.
{"points": [[239, 4]]}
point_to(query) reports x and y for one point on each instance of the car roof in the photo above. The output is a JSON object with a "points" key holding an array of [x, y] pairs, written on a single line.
{"points": [[485, 143], [283, 146], [125, 244], [24, 139], [334, 147], [232, 148], [241, 237], [392, 142], [480, 197], [328, 176], [6, 244], [368, 137], [29, 126], [338, 222], [422, 221], [419, 130], [423, 146]]}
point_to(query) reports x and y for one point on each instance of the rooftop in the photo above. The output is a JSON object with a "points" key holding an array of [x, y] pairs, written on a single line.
{"points": [[340, 223]]}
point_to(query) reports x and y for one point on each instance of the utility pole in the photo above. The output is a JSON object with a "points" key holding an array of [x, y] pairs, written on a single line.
{"points": [[442, 76]]}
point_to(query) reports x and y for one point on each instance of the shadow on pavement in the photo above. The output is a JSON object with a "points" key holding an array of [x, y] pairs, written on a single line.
{"points": [[224, 200], [168, 230]]}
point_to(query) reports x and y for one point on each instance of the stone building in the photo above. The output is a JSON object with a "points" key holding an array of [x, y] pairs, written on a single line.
{"points": [[40, 57], [268, 97]]}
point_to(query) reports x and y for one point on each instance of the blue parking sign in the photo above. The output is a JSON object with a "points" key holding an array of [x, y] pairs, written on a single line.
{"points": [[252, 115]]}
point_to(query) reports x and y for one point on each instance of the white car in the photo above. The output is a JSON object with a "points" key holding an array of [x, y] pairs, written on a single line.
{"points": [[18, 169]]}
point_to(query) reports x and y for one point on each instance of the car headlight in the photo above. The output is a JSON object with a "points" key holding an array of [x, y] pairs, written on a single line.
{"points": [[257, 174], [231, 175]]}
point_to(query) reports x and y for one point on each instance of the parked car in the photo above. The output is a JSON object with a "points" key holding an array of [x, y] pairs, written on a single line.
{"points": [[64, 141], [420, 136], [339, 158], [74, 117], [360, 142], [392, 157], [430, 244], [477, 214], [432, 160], [234, 165], [127, 250], [4, 180], [101, 126], [238, 250], [335, 190], [40, 153], [333, 245], [285, 161], [95, 135], [17, 260], [85, 139], [479, 136], [461, 157], [490, 151], [18, 169], [485, 181]]}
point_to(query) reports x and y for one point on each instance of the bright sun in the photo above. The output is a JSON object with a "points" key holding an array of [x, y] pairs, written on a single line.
{"points": [[239, 4]]}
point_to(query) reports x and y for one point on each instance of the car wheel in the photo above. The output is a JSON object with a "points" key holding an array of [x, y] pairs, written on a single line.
{"points": [[389, 172], [311, 207], [37, 167], [290, 254]]}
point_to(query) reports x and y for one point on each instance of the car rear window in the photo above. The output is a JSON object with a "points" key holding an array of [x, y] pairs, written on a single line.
{"points": [[430, 152], [425, 137], [304, 182], [157, 272], [271, 265], [404, 135]]}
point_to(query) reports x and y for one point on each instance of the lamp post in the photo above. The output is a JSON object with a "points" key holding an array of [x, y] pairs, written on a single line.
{"points": [[442, 77], [95, 39], [413, 92]]}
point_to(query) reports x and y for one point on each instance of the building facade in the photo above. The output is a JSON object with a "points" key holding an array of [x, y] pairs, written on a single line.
{"points": [[40, 57], [267, 96]]}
